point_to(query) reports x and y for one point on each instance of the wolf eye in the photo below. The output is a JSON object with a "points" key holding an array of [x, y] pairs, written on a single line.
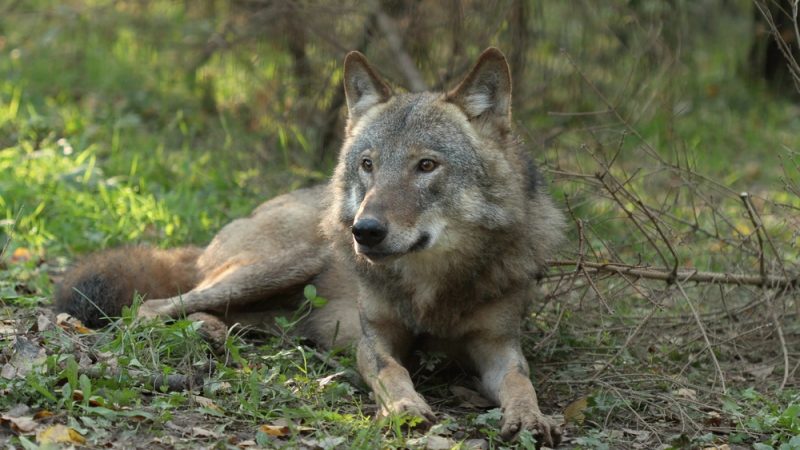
{"points": [[366, 164], [427, 165]]}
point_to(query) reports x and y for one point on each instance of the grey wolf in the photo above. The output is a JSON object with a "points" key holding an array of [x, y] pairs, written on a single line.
{"points": [[432, 233]]}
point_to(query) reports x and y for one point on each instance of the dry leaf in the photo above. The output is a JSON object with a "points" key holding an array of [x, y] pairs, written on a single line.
{"points": [[8, 327], [476, 444], [573, 413], [326, 380], [8, 372], [760, 372], [19, 425], [206, 402], [202, 432], [27, 356], [641, 435], [43, 414], [713, 419], [274, 430], [69, 323], [77, 395], [59, 434], [439, 443], [247, 443], [691, 394], [43, 323], [470, 398]]}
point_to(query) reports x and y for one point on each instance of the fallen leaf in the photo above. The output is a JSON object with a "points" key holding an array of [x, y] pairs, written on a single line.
{"points": [[19, 410], [439, 443], [8, 372], [326, 380], [43, 414], [202, 432], [247, 443], [43, 323], [573, 413], [274, 430], [77, 395], [331, 442], [59, 434], [476, 444], [27, 356], [690, 394], [69, 323], [19, 425], [641, 435], [8, 327], [206, 402], [470, 398], [760, 372]]}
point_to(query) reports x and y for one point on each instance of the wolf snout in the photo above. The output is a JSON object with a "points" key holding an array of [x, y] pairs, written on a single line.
{"points": [[369, 232]]}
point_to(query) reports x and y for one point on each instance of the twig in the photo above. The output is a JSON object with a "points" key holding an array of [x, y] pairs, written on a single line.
{"points": [[686, 275], [762, 267], [627, 342], [705, 336], [759, 228]]}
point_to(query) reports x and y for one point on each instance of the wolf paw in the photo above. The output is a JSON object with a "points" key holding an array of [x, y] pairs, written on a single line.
{"points": [[152, 309], [546, 430], [415, 407], [212, 330], [146, 312]]}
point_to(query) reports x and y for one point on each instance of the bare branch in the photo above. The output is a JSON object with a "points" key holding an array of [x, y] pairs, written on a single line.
{"points": [[684, 275]]}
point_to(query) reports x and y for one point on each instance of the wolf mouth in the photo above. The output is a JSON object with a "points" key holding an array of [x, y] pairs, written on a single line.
{"points": [[377, 255]]}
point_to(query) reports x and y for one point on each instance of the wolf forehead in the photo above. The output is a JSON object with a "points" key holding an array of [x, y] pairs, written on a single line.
{"points": [[418, 120]]}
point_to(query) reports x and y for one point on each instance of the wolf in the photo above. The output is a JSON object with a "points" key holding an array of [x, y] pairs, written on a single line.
{"points": [[431, 234]]}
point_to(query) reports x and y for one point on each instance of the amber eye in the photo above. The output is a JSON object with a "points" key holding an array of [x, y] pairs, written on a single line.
{"points": [[366, 164], [427, 165]]}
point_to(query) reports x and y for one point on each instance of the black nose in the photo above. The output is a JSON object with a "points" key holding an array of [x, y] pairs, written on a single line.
{"points": [[369, 232]]}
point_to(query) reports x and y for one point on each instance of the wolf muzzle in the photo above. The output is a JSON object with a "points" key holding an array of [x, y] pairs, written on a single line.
{"points": [[369, 232]]}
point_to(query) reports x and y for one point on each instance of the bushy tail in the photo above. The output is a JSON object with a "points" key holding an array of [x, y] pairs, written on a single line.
{"points": [[98, 286]]}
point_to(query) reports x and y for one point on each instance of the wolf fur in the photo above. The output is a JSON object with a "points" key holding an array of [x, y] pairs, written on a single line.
{"points": [[431, 233]]}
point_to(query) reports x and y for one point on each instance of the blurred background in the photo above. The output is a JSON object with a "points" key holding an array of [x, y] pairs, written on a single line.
{"points": [[239, 99]]}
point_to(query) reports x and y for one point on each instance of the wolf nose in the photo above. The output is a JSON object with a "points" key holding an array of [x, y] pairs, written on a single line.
{"points": [[369, 232]]}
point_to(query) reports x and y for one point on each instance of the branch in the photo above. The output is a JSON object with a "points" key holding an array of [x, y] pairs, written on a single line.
{"points": [[683, 275]]}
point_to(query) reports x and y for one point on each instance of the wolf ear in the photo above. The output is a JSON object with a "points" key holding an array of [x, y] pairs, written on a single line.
{"points": [[486, 91], [363, 88]]}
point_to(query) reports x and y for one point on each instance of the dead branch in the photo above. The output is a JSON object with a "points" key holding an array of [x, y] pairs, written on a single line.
{"points": [[683, 275]]}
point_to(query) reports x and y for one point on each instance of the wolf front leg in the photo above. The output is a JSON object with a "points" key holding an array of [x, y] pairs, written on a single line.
{"points": [[380, 350], [505, 377]]}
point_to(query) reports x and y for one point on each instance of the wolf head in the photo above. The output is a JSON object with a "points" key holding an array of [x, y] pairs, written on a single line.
{"points": [[420, 172]]}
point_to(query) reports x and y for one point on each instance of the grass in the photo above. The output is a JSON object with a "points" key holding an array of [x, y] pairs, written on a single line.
{"points": [[109, 136]]}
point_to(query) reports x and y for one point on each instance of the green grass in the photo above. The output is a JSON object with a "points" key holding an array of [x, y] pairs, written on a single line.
{"points": [[109, 135]]}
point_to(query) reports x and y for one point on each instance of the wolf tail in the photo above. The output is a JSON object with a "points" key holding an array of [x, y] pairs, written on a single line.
{"points": [[98, 286]]}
